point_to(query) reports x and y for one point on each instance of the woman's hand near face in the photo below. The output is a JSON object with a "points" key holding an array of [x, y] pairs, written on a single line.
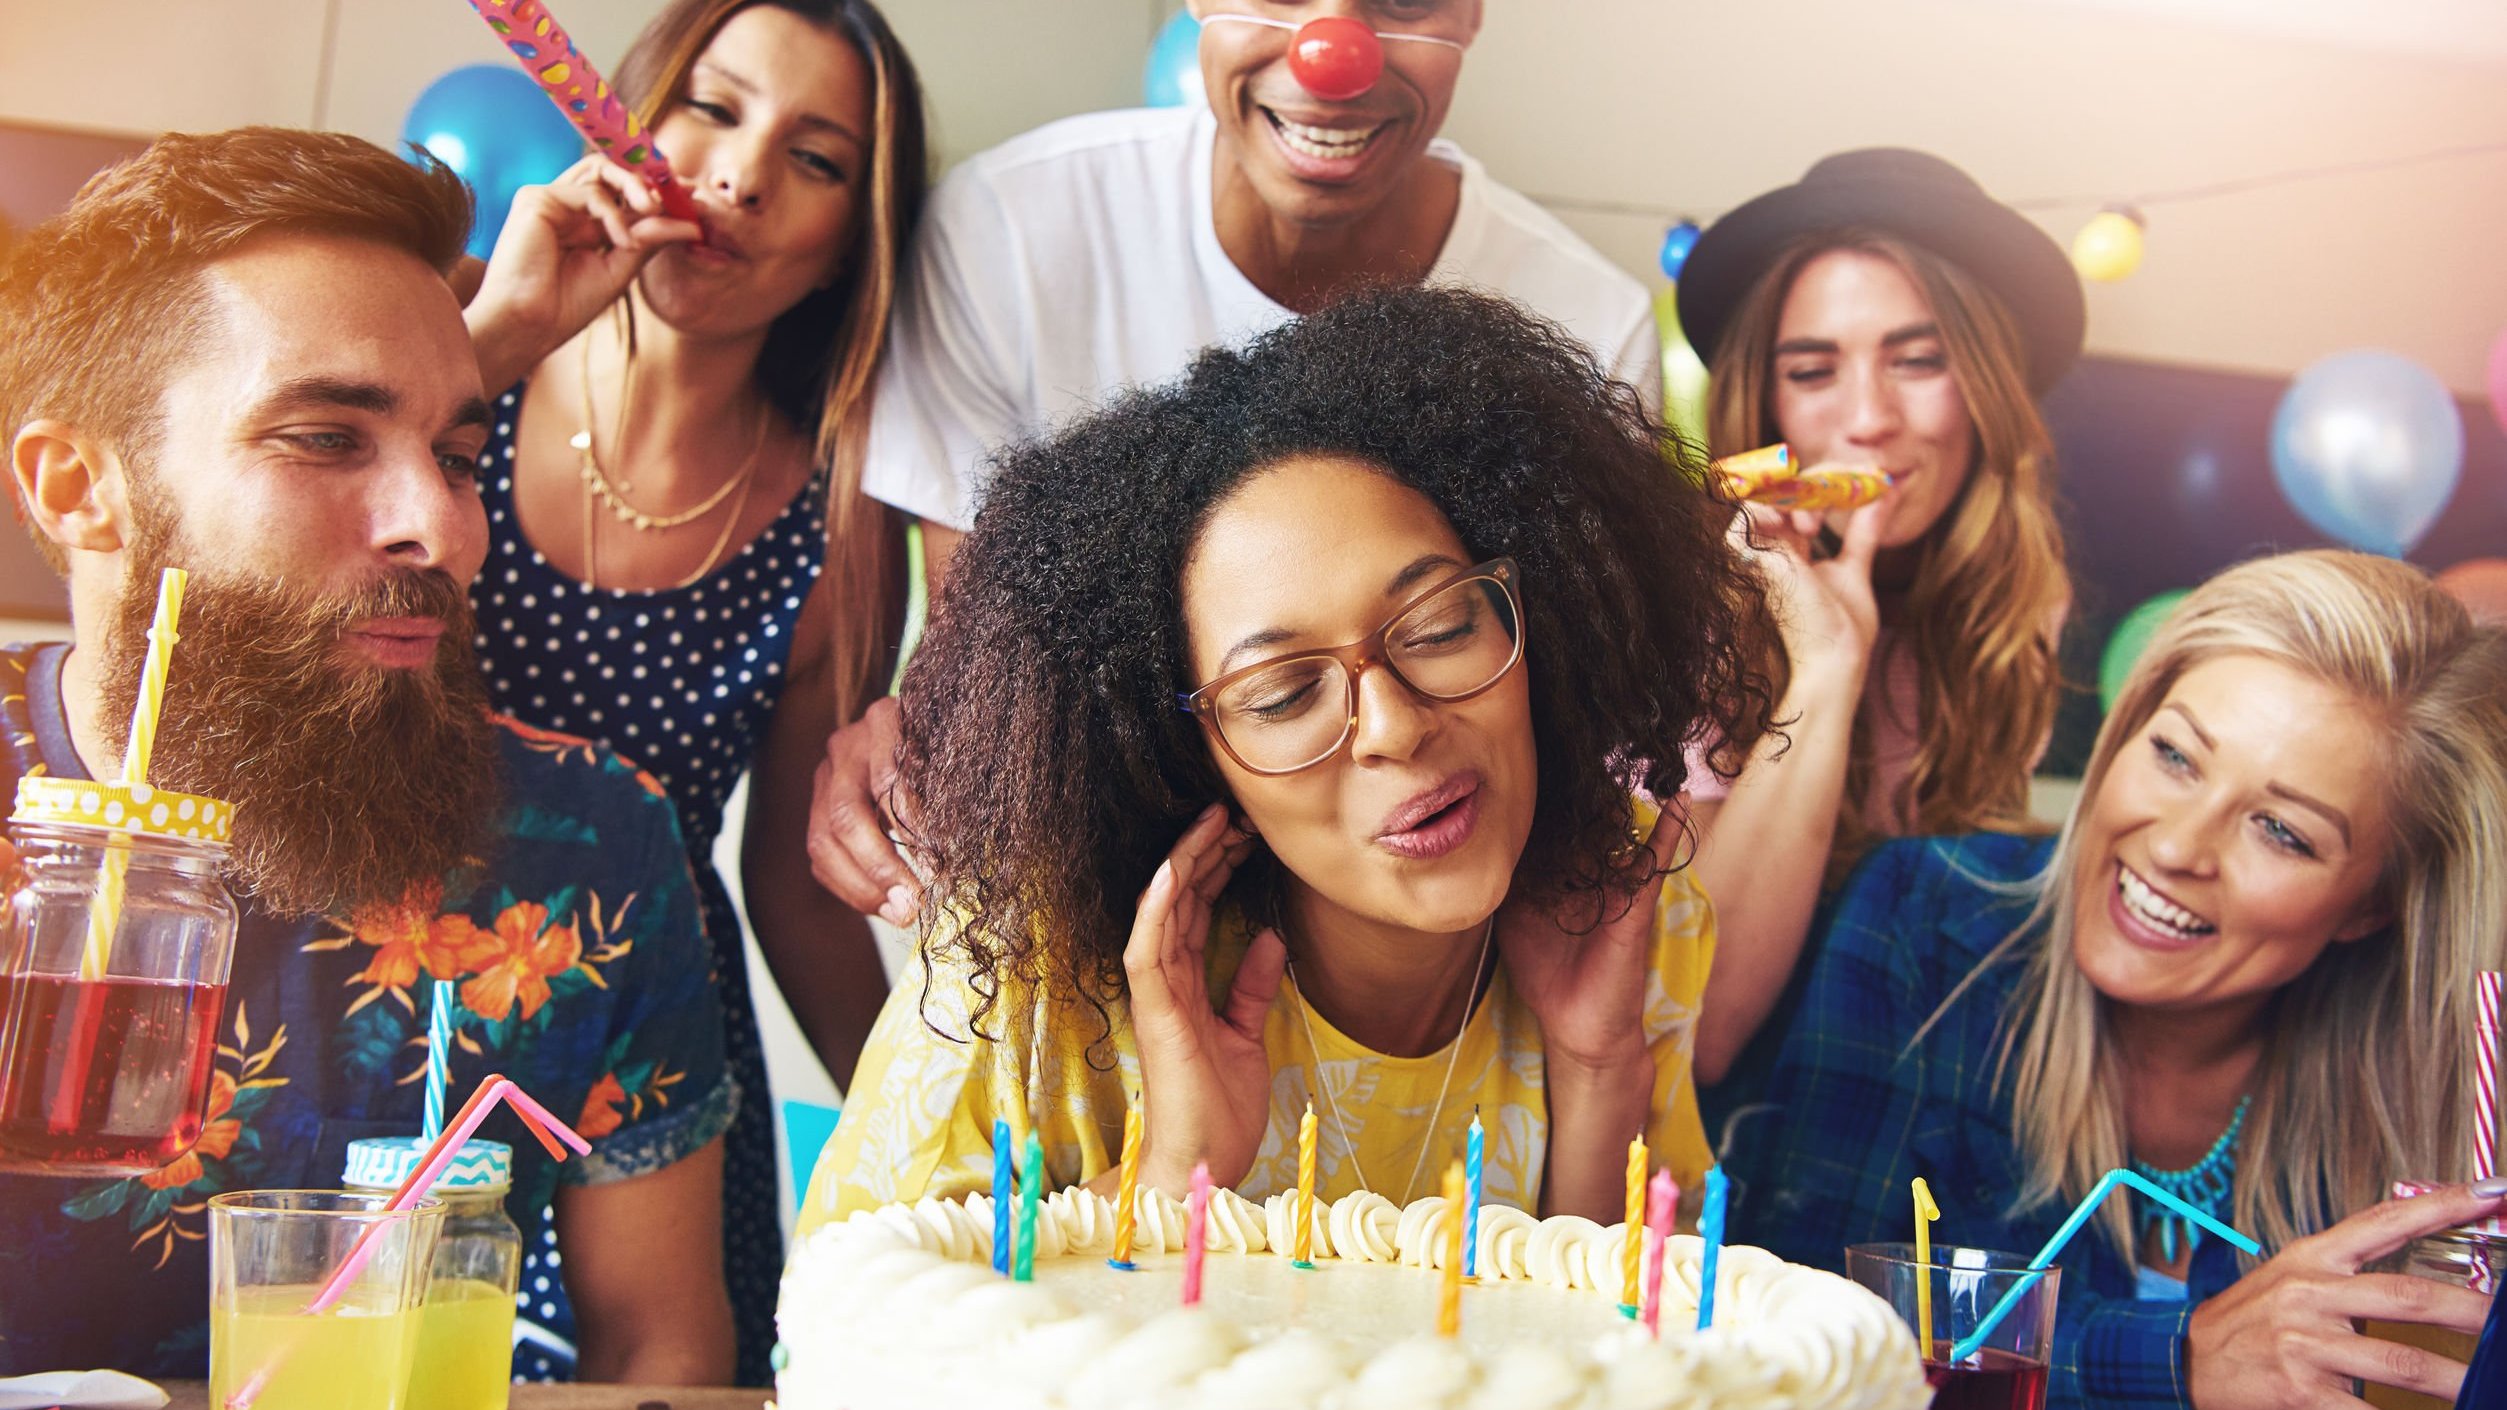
{"points": [[1205, 1078], [1583, 974], [1825, 607], [568, 250], [2284, 1334]]}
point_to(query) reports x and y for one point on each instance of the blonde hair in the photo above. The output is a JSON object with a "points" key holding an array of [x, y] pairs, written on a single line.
{"points": [[1991, 575], [821, 360], [2366, 1077]]}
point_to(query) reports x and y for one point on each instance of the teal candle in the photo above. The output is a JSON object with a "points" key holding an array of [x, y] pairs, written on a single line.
{"points": [[1031, 1184], [1710, 1227], [1001, 1195], [1471, 1197]]}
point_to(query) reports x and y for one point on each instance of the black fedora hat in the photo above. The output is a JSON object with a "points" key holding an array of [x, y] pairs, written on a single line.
{"points": [[1918, 197]]}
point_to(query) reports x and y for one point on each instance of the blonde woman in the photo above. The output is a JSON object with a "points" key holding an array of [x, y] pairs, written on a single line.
{"points": [[2245, 967], [1884, 312], [680, 563]]}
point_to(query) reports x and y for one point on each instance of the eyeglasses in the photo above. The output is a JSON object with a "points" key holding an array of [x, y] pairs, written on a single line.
{"points": [[1446, 645]]}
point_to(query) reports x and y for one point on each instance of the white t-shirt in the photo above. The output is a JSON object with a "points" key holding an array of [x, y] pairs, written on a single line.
{"points": [[1083, 257]]}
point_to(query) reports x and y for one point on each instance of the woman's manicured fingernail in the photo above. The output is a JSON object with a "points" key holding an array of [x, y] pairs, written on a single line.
{"points": [[2491, 1189]]}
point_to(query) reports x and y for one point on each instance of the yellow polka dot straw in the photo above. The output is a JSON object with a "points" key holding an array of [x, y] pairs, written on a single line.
{"points": [[104, 916]]}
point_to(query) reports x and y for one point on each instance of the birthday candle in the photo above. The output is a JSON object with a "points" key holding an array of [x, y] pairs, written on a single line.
{"points": [[1449, 1285], [1002, 1192], [1196, 1233], [1126, 1198], [1305, 1188], [1710, 1227], [1636, 1226], [1031, 1181], [1471, 1197], [1660, 1198]]}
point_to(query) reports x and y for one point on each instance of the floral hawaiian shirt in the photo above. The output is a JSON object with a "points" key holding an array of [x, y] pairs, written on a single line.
{"points": [[582, 973]]}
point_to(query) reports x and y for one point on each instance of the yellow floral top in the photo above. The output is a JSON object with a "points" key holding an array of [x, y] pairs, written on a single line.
{"points": [[919, 1118]]}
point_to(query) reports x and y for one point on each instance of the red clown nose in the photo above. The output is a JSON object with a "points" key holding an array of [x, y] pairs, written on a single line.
{"points": [[1335, 57]]}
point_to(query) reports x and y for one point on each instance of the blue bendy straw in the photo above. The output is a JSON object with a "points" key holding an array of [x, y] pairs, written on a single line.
{"points": [[1974, 1341], [1710, 1227]]}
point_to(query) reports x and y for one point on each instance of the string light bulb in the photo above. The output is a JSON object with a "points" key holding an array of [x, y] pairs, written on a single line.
{"points": [[2109, 247]]}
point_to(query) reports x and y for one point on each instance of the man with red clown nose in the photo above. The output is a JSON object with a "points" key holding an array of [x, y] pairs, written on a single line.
{"points": [[1104, 251]]}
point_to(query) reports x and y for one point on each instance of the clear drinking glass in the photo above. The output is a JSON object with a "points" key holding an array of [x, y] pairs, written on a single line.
{"points": [[270, 1254], [104, 1069], [2009, 1372]]}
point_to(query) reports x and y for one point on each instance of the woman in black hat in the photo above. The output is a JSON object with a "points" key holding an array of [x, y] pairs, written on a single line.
{"points": [[1883, 312]]}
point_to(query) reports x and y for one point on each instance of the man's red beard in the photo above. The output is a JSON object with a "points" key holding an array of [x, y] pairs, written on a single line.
{"points": [[353, 783]]}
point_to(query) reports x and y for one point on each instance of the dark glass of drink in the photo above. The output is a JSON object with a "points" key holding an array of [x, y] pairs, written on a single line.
{"points": [[1955, 1289]]}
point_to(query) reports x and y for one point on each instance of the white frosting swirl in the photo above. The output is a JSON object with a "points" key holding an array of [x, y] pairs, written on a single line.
{"points": [[1505, 1242], [1364, 1228], [1555, 1252]]}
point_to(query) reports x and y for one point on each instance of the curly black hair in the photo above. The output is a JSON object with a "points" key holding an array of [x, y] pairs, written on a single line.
{"points": [[1052, 767]]}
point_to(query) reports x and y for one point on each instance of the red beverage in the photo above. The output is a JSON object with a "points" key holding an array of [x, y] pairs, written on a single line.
{"points": [[106, 1078], [1998, 1381]]}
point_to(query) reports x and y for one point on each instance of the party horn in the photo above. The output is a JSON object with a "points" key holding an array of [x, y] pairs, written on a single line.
{"points": [[579, 91], [1770, 477]]}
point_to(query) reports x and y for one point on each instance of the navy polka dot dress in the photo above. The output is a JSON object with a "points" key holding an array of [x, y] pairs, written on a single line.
{"points": [[681, 681]]}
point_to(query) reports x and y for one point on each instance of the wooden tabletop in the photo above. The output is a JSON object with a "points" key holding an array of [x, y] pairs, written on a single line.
{"points": [[193, 1395]]}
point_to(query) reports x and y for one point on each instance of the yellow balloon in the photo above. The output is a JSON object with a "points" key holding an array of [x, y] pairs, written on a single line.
{"points": [[1684, 373], [2108, 248]]}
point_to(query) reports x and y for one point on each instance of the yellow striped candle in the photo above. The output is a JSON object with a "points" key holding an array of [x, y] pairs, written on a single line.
{"points": [[1634, 1248], [1449, 1286], [1305, 1189], [104, 914], [1127, 1198]]}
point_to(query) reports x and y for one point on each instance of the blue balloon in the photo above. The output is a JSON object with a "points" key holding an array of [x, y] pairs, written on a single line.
{"points": [[1677, 242], [1172, 77], [497, 130], [2367, 446]]}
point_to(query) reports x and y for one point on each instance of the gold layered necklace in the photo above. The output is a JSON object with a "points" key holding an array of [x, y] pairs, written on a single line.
{"points": [[600, 490], [1427, 1138]]}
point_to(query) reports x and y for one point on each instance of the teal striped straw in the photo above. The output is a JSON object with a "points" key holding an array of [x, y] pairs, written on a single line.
{"points": [[439, 1057], [1974, 1341]]}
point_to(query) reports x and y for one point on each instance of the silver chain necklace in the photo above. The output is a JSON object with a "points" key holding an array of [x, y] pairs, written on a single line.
{"points": [[1332, 1104]]}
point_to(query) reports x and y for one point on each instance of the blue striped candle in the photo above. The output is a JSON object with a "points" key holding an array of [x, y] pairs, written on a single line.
{"points": [[1002, 1193], [1471, 1197]]}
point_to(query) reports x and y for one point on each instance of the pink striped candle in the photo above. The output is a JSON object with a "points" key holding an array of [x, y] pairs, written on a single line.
{"points": [[1660, 1198], [2485, 1075], [1196, 1233]]}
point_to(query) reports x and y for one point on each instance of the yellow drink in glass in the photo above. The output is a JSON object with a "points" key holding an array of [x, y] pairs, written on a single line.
{"points": [[465, 1348], [352, 1357]]}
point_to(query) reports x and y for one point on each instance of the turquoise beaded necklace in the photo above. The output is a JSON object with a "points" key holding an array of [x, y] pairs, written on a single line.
{"points": [[2206, 1185]]}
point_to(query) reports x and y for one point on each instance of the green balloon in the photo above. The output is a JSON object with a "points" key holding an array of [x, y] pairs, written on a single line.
{"points": [[2131, 638]]}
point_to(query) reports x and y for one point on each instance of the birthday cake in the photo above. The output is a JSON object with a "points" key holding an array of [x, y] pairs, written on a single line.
{"points": [[900, 1307]]}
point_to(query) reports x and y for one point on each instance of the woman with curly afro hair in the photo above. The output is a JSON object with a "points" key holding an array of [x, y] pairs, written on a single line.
{"points": [[1282, 738]]}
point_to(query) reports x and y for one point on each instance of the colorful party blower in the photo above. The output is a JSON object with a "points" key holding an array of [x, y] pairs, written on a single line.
{"points": [[1974, 1341], [579, 91]]}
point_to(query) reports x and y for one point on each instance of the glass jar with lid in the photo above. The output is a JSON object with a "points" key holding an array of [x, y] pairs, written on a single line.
{"points": [[466, 1333], [118, 939]]}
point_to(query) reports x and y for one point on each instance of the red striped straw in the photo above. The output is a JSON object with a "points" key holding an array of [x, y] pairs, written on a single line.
{"points": [[2492, 987]]}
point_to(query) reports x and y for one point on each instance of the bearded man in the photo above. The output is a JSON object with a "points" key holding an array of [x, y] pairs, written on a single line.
{"points": [[238, 354]]}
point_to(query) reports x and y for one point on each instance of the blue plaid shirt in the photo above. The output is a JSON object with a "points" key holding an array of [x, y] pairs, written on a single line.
{"points": [[1860, 1114]]}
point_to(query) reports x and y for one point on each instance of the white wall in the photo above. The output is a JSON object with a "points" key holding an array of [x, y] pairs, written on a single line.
{"points": [[1663, 105]]}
